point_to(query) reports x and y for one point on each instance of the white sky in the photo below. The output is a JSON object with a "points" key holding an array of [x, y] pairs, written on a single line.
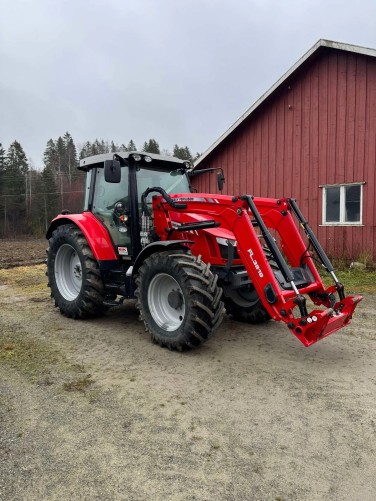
{"points": [[180, 71]]}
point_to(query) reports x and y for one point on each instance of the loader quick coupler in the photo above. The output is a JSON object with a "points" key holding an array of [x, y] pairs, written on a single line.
{"points": [[325, 296]]}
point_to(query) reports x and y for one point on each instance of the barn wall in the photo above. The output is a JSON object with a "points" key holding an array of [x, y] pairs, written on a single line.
{"points": [[318, 128]]}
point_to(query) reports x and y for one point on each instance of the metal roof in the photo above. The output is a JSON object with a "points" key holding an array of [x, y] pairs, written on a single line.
{"points": [[321, 43]]}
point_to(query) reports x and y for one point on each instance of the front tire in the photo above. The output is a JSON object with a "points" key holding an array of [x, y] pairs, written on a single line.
{"points": [[178, 299], [73, 274]]}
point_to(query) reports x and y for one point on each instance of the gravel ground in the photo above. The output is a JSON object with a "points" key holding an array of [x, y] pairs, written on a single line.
{"points": [[92, 410]]}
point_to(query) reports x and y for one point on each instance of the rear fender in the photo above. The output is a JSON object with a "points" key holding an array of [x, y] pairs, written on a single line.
{"points": [[95, 233], [158, 247]]}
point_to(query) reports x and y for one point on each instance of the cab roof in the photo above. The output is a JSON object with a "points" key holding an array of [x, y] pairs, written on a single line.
{"points": [[88, 162]]}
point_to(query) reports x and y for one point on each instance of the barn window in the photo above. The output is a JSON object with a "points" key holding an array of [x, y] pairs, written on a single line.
{"points": [[342, 204]]}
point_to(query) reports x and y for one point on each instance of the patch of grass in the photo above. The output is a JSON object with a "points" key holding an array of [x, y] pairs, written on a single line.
{"points": [[94, 396], [41, 364], [192, 427], [197, 438], [22, 276], [356, 281], [78, 367], [79, 384], [30, 357], [26, 281]]}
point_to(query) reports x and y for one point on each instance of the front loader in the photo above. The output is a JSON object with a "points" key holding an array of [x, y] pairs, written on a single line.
{"points": [[188, 257]]}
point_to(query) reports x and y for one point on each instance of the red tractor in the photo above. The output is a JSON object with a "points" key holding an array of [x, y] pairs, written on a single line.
{"points": [[186, 256]]}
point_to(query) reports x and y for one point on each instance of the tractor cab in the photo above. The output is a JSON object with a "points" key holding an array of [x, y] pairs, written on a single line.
{"points": [[114, 187]]}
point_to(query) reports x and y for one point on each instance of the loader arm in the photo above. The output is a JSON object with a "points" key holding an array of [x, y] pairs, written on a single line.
{"points": [[256, 224]]}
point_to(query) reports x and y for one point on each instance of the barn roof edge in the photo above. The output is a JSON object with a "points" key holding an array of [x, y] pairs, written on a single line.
{"points": [[321, 43]]}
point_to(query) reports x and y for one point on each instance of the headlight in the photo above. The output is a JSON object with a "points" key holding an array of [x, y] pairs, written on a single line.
{"points": [[225, 241], [223, 244]]}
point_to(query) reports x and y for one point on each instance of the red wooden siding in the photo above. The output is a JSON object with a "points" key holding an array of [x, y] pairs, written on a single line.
{"points": [[317, 128]]}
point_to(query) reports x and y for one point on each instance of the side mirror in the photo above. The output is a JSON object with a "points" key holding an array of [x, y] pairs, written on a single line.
{"points": [[193, 173], [220, 180], [112, 171]]}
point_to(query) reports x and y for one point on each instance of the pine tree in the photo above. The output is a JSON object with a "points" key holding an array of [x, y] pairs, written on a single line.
{"points": [[98, 147], [60, 151], [2, 167], [182, 152], [131, 146], [16, 160], [85, 150], [70, 155], [2, 158], [151, 146], [55, 164], [50, 156], [105, 147], [15, 185], [95, 148]]}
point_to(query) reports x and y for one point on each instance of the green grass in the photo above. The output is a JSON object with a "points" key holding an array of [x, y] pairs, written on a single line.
{"points": [[356, 281], [79, 384], [31, 357], [42, 364]]}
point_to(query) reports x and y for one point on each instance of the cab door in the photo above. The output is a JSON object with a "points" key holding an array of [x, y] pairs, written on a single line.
{"points": [[111, 207]]}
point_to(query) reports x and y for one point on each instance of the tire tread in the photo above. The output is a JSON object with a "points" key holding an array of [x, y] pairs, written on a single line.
{"points": [[205, 309]]}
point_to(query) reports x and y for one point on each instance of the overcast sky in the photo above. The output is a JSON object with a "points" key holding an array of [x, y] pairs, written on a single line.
{"points": [[179, 71]]}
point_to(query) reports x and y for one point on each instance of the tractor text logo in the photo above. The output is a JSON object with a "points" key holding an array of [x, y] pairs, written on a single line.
{"points": [[255, 263]]}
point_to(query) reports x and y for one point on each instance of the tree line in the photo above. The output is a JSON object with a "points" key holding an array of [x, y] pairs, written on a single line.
{"points": [[30, 197]]}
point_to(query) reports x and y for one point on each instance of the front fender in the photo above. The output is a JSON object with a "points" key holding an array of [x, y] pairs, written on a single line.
{"points": [[158, 247], [95, 233]]}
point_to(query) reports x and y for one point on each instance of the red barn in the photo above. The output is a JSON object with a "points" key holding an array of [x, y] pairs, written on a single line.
{"points": [[312, 136]]}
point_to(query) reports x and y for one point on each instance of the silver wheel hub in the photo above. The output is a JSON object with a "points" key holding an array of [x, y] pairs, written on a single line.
{"points": [[166, 302], [68, 272]]}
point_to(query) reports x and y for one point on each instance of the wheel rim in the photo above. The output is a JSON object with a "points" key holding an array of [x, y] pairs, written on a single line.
{"points": [[166, 302], [68, 272]]}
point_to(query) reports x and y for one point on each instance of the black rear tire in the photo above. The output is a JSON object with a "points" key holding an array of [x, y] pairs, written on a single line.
{"points": [[178, 299], [73, 274], [245, 305]]}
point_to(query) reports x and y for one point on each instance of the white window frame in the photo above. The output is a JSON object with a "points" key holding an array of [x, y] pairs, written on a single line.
{"points": [[341, 221]]}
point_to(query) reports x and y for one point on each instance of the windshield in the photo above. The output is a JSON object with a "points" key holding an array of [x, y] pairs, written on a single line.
{"points": [[172, 182]]}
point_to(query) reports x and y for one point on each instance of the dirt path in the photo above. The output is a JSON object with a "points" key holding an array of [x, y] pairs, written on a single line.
{"points": [[22, 252], [94, 411]]}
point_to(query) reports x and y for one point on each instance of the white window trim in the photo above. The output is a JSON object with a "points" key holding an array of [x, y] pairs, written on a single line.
{"points": [[341, 221]]}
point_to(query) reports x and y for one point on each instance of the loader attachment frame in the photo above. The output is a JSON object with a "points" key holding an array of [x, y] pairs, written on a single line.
{"points": [[283, 274]]}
